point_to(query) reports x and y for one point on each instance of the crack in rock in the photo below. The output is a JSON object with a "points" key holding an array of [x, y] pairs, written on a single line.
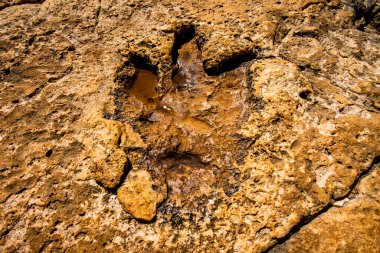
{"points": [[305, 221]]}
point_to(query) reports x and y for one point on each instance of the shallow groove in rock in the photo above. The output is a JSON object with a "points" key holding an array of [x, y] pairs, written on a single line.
{"points": [[5, 6]]}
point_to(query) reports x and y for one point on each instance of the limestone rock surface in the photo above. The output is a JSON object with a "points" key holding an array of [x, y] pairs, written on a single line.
{"points": [[189, 126]]}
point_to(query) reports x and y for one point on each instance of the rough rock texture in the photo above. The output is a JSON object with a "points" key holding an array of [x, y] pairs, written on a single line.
{"points": [[140, 196], [350, 225], [105, 140], [204, 126]]}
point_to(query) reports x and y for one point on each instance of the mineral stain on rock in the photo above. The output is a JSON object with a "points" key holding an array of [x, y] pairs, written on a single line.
{"points": [[190, 67], [144, 86]]}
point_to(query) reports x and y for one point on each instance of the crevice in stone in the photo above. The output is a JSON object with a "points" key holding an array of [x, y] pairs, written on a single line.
{"points": [[143, 62], [363, 174], [306, 220], [35, 92], [229, 63], [368, 14], [185, 33], [97, 14], [127, 169], [182, 35]]}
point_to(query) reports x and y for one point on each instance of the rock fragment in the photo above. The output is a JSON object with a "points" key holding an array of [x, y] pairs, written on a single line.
{"points": [[140, 195], [105, 140]]}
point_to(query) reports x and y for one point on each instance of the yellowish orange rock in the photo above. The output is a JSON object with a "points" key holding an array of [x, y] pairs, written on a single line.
{"points": [[258, 117], [140, 195], [105, 141]]}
